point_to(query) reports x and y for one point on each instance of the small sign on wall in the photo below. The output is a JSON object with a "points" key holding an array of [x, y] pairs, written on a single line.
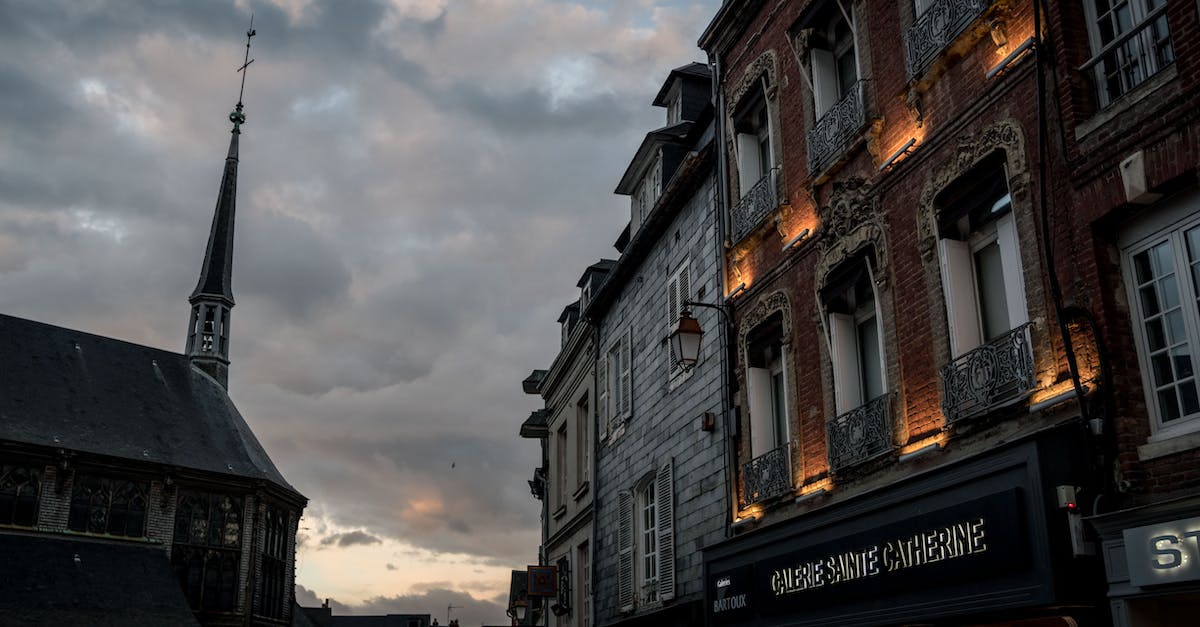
{"points": [[543, 581], [1163, 553]]}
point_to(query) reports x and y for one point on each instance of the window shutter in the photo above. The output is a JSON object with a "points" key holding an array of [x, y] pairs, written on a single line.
{"points": [[602, 392], [673, 308], [784, 419], [846, 371], [758, 389], [685, 286], [1010, 260], [626, 379], [625, 550], [665, 493], [962, 305], [749, 168], [825, 87]]}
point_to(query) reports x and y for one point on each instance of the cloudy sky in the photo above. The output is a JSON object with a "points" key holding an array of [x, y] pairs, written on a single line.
{"points": [[421, 184]]}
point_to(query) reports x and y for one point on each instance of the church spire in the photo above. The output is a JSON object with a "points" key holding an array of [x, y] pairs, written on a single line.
{"points": [[212, 300]]}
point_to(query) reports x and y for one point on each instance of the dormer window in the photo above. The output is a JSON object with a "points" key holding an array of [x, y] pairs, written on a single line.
{"points": [[646, 194], [675, 106]]}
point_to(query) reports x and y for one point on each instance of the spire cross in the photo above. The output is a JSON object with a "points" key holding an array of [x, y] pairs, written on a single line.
{"points": [[237, 117]]}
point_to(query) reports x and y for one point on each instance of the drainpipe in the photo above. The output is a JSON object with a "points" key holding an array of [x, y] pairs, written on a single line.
{"points": [[720, 206]]}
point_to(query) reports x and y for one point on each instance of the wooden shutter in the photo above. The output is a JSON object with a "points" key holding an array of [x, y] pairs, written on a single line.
{"points": [[749, 168], [1010, 261], [962, 304], [625, 550], [626, 378], [825, 86], [758, 389], [846, 371], [665, 493]]}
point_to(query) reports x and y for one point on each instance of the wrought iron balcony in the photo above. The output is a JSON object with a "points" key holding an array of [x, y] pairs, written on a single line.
{"points": [[861, 433], [767, 476], [996, 374], [941, 23], [832, 134], [756, 204]]}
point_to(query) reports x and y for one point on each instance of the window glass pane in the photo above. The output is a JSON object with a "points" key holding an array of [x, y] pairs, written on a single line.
{"points": [[1141, 267], [1150, 304], [1162, 369], [1155, 337], [1182, 359], [1168, 405], [779, 396], [1169, 292], [989, 281], [1175, 327], [1191, 404]]}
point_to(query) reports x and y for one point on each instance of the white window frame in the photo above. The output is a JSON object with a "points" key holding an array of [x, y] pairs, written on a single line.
{"points": [[845, 352], [583, 566], [1145, 44], [618, 370], [960, 285], [761, 391], [679, 291], [823, 67], [647, 542], [748, 145], [561, 440], [1170, 224]]}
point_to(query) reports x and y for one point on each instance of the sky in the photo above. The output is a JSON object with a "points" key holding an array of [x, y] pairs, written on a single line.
{"points": [[421, 184]]}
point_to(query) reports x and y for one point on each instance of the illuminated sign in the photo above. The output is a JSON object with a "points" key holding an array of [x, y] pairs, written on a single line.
{"points": [[1163, 553], [970, 541]]}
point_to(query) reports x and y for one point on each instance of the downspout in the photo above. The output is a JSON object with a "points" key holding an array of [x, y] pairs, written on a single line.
{"points": [[596, 417], [723, 229]]}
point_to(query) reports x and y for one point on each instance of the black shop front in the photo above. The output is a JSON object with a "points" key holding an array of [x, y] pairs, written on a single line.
{"points": [[980, 541]]}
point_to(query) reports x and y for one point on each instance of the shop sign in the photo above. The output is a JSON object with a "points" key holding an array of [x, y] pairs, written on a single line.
{"points": [[1163, 553], [972, 540]]}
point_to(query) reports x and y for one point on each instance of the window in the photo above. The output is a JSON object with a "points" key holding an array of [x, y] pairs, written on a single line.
{"points": [[560, 467], [646, 541], [1162, 274], [980, 259], [679, 291], [19, 490], [618, 382], [584, 576], [646, 194], [766, 383], [207, 549], [272, 590], [110, 506], [1131, 42], [854, 338], [753, 128], [583, 451], [832, 57]]}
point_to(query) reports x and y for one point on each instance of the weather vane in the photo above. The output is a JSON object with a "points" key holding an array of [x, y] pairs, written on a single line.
{"points": [[237, 117]]}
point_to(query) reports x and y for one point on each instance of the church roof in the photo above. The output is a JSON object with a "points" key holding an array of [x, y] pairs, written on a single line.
{"points": [[111, 584], [82, 392]]}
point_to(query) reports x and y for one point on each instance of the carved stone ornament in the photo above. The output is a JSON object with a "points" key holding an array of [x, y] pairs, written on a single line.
{"points": [[849, 223], [767, 64], [767, 306], [1004, 135]]}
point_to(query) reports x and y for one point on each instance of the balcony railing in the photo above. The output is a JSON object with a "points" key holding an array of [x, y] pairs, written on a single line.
{"points": [[1131, 58], [996, 374], [860, 434], [767, 476], [934, 29], [756, 204], [832, 134]]}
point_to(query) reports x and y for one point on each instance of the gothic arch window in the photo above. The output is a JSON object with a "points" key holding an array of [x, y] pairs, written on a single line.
{"points": [[272, 585], [19, 490], [114, 507], [207, 549]]}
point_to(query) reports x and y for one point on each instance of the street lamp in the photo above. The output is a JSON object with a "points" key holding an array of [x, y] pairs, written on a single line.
{"points": [[519, 608], [685, 339]]}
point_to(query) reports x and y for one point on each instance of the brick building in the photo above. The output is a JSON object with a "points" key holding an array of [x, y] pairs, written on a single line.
{"points": [[132, 491], [958, 234]]}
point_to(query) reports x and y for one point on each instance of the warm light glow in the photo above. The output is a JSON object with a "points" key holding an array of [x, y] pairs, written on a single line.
{"points": [[737, 290], [901, 152], [1062, 388], [795, 241], [824, 485], [1010, 59], [938, 439]]}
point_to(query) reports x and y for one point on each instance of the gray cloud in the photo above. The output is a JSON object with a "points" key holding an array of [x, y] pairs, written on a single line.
{"points": [[419, 190], [428, 599], [350, 538]]}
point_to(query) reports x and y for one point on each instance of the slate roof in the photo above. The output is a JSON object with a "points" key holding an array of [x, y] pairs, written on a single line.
{"points": [[82, 392], [113, 584], [216, 273]]}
